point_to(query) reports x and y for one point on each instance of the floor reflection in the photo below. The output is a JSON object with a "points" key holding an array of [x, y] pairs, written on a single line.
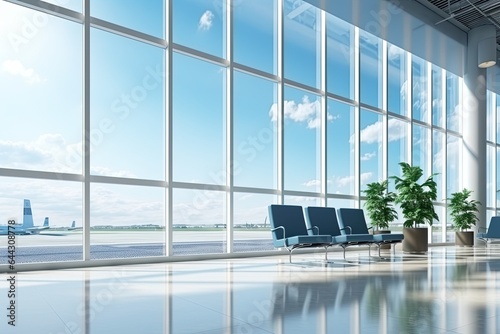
{"points": [[449, 290]]}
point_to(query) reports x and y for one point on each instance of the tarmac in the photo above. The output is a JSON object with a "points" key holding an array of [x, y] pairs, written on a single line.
{"points": [[67, 245]]}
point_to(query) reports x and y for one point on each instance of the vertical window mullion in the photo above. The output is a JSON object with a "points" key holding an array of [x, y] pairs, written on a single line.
{"points": [[86, 130], [357, 111], [385, 123], [324, 104], [280, 116], [229, 128], [169, 145]]}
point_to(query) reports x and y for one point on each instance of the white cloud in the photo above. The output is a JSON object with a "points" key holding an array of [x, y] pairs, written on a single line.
{"points": [[16, 67], [397, 129], [365, 177], [202, 209], [119, 205], [373, 132], [305, 111], [368, 156], [311, 183], [49, 152], [344, 181], [206, 21]]}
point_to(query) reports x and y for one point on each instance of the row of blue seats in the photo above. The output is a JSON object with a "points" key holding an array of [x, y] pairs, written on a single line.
{"points": [[321, 228]]}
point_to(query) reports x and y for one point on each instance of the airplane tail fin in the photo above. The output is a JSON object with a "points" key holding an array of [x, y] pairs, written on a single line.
{"points": [[46, 222], [27, 216], [73, 224]]}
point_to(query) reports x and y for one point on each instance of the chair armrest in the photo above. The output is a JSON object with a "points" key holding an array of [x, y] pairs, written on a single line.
{"points": [[347, 227], [280, 227], [314, 227]]}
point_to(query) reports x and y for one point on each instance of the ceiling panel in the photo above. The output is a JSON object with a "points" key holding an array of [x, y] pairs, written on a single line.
{"points": [[467, 14]]}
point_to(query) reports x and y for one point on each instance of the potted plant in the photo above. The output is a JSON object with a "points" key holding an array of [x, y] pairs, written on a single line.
{"points": [[415, 200], [463, 214], [379, 204]]}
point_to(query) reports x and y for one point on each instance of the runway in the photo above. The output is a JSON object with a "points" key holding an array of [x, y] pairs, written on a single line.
{"points": [[67, 245]]}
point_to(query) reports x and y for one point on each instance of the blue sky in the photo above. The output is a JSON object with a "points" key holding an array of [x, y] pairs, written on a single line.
{"points": [[41, 77]]}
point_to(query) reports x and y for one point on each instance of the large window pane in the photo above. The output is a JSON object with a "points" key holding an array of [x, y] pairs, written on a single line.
{"points": [[255, 134], [442, 230], [397, 90], [126, 221], [251, 222], [397, 146], [198, 121], [41, 80], [200, 25], [438, 118], [127, 108], [255, 34], [302, 140], [439, 162], [421, 141], [340, 57], [57, 202], [370, 67], [497, 112], [370, 153], [301, 43], [490, 116], [490, 176], [132, 14], [453, 107], [453, 170], [199, 223], [340, 157], [419, 90], [497, 188]]}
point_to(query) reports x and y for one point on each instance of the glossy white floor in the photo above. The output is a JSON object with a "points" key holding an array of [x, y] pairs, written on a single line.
{"points": [[449, 290]]}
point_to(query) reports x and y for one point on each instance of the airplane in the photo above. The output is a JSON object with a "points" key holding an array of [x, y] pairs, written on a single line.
{"points": [[27, 227], [63, 228], [73, 227]]}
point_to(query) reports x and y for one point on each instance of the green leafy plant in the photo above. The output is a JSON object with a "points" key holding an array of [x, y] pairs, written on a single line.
{"points": [[414, 198], [379, 204], [463, 210]]}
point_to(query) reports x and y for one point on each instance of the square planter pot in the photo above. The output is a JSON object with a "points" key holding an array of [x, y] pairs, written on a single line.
{"points": [[464, 238], [415, 240]]}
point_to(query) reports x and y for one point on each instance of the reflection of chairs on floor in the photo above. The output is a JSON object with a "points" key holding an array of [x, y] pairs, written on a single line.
{"points": [[308, 297], [492, 233], [289, 230], [325, 220], [355, 218]]}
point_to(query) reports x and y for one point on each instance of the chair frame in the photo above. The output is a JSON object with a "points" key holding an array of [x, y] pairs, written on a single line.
{"points": [[494, 225], [291, 247], [359, 240]]}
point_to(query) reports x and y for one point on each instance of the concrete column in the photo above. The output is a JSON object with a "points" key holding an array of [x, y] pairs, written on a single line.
{"points": [[474, 122]]}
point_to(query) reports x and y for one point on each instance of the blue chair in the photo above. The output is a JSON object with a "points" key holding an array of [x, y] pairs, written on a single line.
{"points": [[493, 231], [355, 219], [289, 230], [325, 220]]}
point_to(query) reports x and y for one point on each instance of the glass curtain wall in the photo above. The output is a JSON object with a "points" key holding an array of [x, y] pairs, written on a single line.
{"points": [[170, 136]]}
